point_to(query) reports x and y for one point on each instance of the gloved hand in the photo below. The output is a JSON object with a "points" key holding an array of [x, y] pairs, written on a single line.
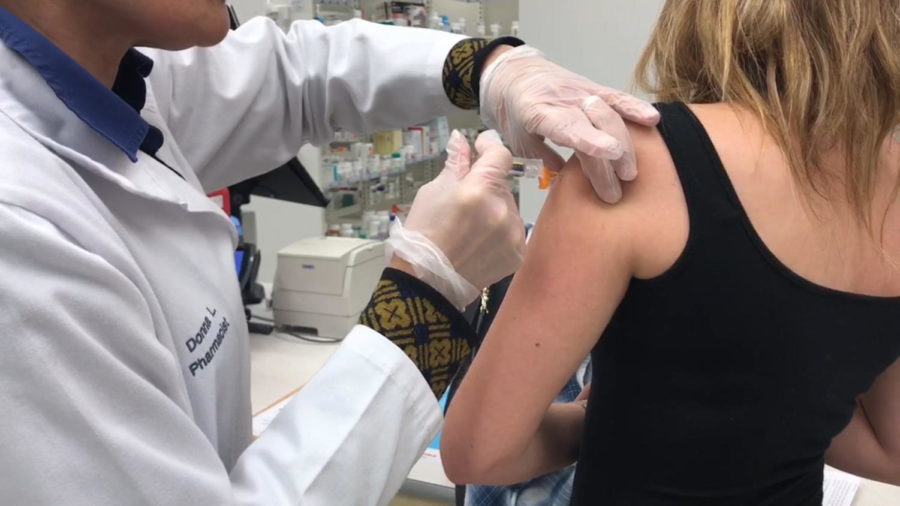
{"points": [[528, 98], [464, 232]]}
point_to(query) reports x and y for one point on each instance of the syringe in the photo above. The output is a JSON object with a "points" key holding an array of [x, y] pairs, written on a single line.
{"points": [[529, 168], [532, 168]]}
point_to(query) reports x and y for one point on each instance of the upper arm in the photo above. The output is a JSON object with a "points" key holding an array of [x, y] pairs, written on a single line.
{"points": [[869, 445], [575, 272], [882, 407], [577, 268]]}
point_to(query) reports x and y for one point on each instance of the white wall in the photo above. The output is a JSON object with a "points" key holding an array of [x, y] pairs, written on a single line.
{"points": [[279, 223], [246, 9], [503, 12], [601, 39]]}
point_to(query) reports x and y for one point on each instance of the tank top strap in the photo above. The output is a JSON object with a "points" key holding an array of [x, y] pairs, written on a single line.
{"points": [[707, 189]]}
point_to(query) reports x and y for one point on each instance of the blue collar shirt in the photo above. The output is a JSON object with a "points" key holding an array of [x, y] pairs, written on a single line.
{"points": [[114, 114]]}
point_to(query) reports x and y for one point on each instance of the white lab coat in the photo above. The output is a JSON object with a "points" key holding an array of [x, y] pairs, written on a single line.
{"points": [[108, 268]]}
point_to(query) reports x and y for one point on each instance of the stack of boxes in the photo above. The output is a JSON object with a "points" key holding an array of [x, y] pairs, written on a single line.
{"points": [[427, 141], [351, 159]]}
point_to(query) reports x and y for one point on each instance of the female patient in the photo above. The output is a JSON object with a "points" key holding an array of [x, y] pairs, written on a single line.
{"points": [[742, 304]]}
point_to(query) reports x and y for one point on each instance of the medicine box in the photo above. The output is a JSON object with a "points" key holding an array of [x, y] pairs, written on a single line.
{"points": [[388, 142]]}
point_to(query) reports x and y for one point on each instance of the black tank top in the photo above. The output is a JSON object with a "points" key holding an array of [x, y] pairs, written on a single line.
{"points": [[722, 381]]}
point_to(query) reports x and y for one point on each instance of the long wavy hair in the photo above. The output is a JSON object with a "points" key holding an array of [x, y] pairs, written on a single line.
{"points": [[823, 76]]}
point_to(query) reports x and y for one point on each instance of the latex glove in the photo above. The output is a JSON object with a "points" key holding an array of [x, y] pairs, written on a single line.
{"points": [[464, 232], [528, 98]]}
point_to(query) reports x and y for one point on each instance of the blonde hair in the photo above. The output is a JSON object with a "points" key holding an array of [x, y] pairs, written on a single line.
{"points": [[823, 75]]}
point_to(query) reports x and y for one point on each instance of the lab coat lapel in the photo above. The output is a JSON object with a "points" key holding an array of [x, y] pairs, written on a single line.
{"points": [[30, 103]]}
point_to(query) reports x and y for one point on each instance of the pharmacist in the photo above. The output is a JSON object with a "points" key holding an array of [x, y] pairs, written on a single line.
{"points": [[113, 259]]}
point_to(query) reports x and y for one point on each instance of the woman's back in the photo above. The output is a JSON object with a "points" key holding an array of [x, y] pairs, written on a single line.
{"points": [[820, 241], [737, 353]]}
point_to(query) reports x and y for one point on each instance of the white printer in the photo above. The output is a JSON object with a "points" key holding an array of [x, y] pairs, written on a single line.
{"points": [[323, 284]]}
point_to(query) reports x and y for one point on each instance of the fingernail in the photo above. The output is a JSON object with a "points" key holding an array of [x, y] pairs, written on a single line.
{"points": [[611, 149], [616, 151], [629, 174], [492, 135], [455, 137], [603, 146], [612, 194], [589, 101], [625, 167], [649, 112]]}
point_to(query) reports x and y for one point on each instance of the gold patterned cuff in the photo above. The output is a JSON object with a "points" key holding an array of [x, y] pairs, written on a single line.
{"points": [[422, 323], [463, 68], [459, 72]]}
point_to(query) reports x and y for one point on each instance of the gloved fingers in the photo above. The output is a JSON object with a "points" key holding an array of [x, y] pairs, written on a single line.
{"points": [[571, 127], [459, 156], [603, 177], [486, 140], [605, 118], [494, 160], [535, 147], [625, 167], [628, 106]]}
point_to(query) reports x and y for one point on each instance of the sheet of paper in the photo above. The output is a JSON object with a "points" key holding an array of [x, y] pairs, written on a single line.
{"points": [[839, 487], [429, 469], [264, 418]]}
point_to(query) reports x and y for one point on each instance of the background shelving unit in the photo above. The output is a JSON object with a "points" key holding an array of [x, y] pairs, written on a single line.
{"points": [[363, 198], [281, 223]]}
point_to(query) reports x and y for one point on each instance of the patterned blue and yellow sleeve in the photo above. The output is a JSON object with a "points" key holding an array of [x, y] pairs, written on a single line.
{"points": [[419, 320]]}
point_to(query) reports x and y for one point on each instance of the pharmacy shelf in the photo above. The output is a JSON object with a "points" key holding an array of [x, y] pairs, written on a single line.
{"points": [[331, 14], [344, 213], [353, 214], [455, 9], [335, 8], [419, 172]]}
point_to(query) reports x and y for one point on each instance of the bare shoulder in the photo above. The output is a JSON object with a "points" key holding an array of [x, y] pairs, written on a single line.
{"points": [[739, 137], [650, 223]]}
